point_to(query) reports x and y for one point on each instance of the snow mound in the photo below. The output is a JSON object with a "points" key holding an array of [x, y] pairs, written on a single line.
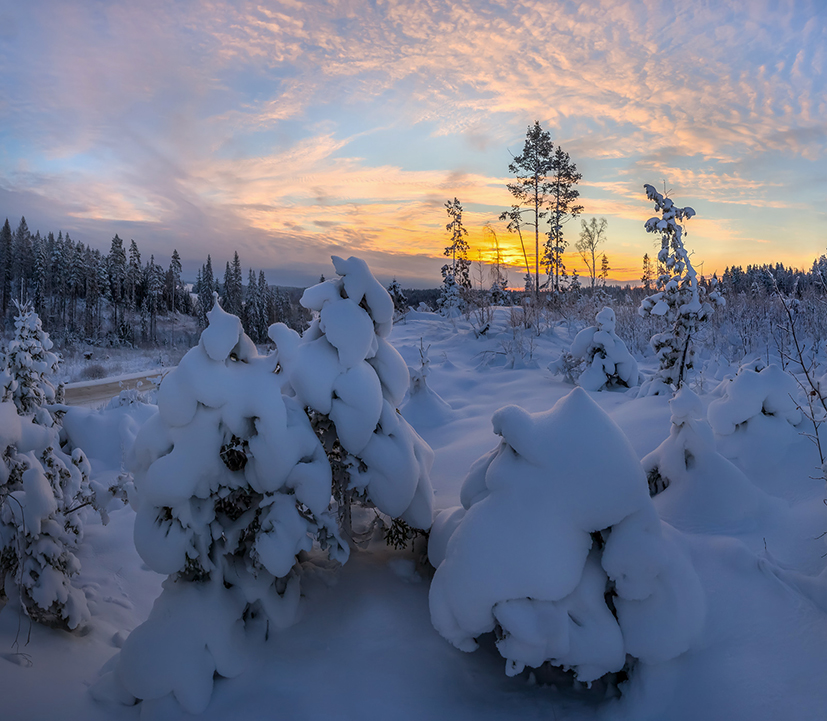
{"points": [[556, 519]]}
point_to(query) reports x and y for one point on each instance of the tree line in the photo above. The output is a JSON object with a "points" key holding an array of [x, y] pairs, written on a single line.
{"points": [[81, 293]]}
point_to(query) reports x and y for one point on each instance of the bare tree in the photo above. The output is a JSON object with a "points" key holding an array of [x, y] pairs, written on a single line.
{"points": [[592, 234]]}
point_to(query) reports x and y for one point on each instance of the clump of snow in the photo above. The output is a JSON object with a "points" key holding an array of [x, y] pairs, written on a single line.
{"points": [[598, 358], [352, 381], [556, 520], [696, 488], [230, 484]]}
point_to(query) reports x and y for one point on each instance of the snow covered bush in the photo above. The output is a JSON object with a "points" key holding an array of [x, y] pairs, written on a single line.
{"points": [[696, 488], [351, 381], [598, 358], [681, 299], [231, 484], [42, 488], [557, 548], [756, 415]]}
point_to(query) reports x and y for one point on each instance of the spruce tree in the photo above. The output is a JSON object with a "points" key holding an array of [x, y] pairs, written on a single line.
{"points": [[6, 244], [457, 250]]}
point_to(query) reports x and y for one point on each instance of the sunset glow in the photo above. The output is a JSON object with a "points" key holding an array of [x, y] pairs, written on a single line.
{"points": [[292, 130]]}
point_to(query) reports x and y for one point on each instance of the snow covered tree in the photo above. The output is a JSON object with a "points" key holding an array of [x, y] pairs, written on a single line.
{"points": [[30, 363], [598, 358], [116, 269], [450, 300], [41, 487], [6, 255], [231, 485], [351, 381], [681, 299], [457, 251], [558, 549], [400, 302]]}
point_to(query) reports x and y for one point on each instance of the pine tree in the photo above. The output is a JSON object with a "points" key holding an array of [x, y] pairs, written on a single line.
{"points": [[400, 302], [205, 292], [532, 188], [6, 254], [21, 259], [245, 456], [116, 268], [563, 207], [175, 275], [376, 457], [604, 268], [40, 485], [251, 315]]}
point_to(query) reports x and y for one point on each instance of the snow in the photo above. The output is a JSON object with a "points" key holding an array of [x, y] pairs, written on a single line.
{"points": [[721, 588]]}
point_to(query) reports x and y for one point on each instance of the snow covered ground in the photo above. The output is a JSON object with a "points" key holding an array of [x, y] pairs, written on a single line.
{"points": [[365, 645]]}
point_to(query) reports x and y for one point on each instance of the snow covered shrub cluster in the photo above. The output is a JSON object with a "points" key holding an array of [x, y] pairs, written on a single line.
{"points": [[42, 488], [756, 414], [558, 549], [598, 358], [230, 485], [351, 381], [681, 299]]}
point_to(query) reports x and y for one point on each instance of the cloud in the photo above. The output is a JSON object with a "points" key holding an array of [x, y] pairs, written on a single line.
{"points": [[215, 122]]}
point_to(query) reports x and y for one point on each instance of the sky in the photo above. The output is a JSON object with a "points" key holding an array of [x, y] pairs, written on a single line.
{"points": [[290, 131]]}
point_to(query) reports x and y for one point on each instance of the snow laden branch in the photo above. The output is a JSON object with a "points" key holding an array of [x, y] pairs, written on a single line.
{"points": [[682, 299]]}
